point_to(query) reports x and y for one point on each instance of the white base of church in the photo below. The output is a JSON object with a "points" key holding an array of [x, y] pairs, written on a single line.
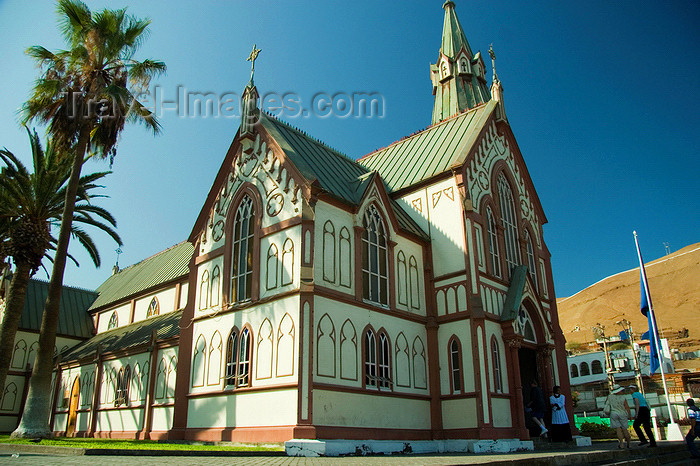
{"points": [[304, 447]]}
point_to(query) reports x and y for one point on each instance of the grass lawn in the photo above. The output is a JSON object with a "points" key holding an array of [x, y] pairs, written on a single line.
{"points": [[143, 444]]}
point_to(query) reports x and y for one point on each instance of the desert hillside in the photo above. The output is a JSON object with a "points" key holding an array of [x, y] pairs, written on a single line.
{"points": [[674, 282]]}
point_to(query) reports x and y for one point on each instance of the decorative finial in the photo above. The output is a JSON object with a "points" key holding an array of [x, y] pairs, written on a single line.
{"points": [[115, 269], [251, 58], [492, 54]]}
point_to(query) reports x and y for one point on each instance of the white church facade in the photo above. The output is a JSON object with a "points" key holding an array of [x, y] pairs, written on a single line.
{"points": [[405, 295]]}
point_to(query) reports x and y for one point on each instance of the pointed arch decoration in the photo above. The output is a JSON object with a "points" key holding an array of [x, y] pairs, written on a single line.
{"points": [[420, 375], [136, 386], [9, 397], [325, 347], [199, 360], [402, 361], [144, 379], [272, 267], [287, 262], [214, 359], [161, 378], [344, 259], [402, 279], [285, 347], [171, 377], [414, 282], [31, 355], [348, 351], [329, 252], [215, 286], [204, 291], [18, 355], [263, 352]]}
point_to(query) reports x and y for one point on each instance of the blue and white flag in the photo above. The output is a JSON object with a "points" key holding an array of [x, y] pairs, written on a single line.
{"points": [[648, 311]]}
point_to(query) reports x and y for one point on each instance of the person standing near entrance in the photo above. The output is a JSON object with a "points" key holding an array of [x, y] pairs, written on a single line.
{"points": [[536, 404], [561, 430], [693, 415], [642, 417]]}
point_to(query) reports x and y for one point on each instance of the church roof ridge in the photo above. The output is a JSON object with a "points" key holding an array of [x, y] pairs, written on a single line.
{"points": [[312, 138], [420, 131]]}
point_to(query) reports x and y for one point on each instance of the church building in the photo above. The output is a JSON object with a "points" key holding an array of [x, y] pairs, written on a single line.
{"points": [[406, 295]]}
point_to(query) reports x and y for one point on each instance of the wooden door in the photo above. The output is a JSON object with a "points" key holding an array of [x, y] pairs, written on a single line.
{"points": [[73, 409]]}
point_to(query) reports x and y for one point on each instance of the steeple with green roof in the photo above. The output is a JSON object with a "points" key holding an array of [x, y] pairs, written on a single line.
{"points": [[459, 81]]}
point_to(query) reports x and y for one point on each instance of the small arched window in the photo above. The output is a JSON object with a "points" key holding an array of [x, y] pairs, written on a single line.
{"points": [[370, 347], [204, 290], [531, 267], [493, 243], [596, 367], [497, 375], [574, 370], [455, 358], [113, 321], [121, 388], [384, 358], [375, 266], [242, 251], [584, 369], [215, 286], [153, 308]]}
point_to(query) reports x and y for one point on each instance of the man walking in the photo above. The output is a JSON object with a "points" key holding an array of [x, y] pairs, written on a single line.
{"points": [[693, 415], [642, 418]]}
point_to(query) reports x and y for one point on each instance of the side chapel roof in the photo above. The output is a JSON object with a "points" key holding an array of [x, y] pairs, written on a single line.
{"points": [[126, 337], [73, 319], [160, 268]]}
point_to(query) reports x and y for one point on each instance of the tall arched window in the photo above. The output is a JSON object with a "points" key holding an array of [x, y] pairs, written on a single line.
{"points": [[121, 393], [375, 266], [370, 359], [238, 358], [113, 321], [455, 358], [215, 281], [204, 291], [510, 223], [383, 356], [242, 251], [496, 357], [531, 267], [493, 243]]}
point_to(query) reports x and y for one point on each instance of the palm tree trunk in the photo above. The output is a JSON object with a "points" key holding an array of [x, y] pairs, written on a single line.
{"points": [[37, 410], [10, 321]]}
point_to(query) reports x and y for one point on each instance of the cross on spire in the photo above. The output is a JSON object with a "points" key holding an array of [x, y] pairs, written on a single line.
{"points": [[251, 58], [492, 54]]}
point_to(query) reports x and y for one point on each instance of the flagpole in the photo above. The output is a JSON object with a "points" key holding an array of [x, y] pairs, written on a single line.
{"points": [[654, 330]]}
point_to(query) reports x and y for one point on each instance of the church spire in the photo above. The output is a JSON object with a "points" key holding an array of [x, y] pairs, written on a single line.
{"points": [[459, 81]]}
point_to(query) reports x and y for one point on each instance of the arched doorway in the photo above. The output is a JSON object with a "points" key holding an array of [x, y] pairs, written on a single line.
{"points": [[73, 409]]}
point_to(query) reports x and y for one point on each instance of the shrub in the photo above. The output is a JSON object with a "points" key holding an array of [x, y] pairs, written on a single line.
{"points": [[597, 431]]}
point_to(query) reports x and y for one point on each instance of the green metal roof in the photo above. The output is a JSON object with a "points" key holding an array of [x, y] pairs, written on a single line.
{"points": [[431, 152], [160, 268], [73, 319], [335, 172], [453, 38], [128, 336]]}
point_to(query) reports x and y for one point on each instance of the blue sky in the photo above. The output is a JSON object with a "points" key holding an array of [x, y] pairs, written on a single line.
{"points": [[602, 98]]}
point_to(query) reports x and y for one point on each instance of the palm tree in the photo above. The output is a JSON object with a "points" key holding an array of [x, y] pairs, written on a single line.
{"points": [[86, 95], [29, 204]]}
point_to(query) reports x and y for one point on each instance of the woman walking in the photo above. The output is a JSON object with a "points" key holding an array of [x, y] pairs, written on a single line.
{"points": [[561, 430], [618, 409]]}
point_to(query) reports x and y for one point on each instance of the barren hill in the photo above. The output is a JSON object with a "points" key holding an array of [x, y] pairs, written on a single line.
{"points": [[674, 283]]}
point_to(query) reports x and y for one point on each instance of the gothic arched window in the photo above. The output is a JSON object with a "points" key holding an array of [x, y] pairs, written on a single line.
{"points": [[238, 351], [493, 243], [113, 321], [153, 308], [455, 359], [242, 251], [510, 223], [531, 267], [375, 266]]}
